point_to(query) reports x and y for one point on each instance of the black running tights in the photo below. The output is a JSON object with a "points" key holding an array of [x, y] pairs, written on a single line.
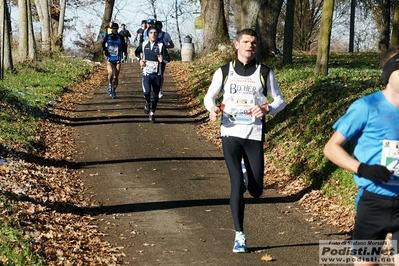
{"points": [[234, 149]]}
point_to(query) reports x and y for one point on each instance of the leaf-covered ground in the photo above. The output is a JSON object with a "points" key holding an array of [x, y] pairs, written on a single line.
{"points": [[44, 192]]}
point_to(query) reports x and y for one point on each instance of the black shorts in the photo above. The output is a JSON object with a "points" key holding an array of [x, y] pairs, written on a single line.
{"points": [[376, 216], [115, 62]]}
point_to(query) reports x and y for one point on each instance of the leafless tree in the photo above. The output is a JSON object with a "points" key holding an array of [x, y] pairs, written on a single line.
{"points": [[323, 50]]}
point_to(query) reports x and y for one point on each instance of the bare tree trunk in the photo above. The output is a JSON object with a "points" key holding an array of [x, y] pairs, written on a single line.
{"points": [[267, 27], [383, 43], [262, 16], [246, 13], [60, 30], [227, 12], [32, 55], [395, 30], [289, 32], [109, 8], [57, 23], [323, 50], [154, 10], [6, 55], [23, 30], [352, 26], [212, 13], [42, 7], [176, 15], [237, 11]]}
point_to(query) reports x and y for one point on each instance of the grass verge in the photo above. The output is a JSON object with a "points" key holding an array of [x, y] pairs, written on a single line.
{"points": [[27, 94], [296, 136]]}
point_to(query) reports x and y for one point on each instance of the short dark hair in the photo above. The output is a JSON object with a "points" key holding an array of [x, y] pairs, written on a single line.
{"points": [[123, 25], [249, 32], [115, 25], [391, 52], [158, 23], [144, 22]]}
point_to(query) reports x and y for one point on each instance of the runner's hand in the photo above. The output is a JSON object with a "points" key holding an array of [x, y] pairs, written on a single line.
{"points": [[376, 173], [259, 111], [214, 114]]}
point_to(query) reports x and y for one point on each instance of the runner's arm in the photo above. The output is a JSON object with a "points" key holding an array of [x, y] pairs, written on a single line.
{"points": [[335, 152], [213, 90], [273, 90], [165, 55]]}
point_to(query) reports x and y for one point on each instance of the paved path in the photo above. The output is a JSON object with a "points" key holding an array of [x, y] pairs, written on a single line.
{"points": [[162, 191]]}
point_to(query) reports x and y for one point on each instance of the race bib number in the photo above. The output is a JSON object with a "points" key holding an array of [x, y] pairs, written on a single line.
{"points": [[390, 159], [238, 108], [113, 51], [151, 67]]}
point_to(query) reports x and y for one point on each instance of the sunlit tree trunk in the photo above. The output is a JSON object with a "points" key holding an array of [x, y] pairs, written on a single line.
{"points": [[323, 50], [6, 56], [23, 30], [395, 30], [215, 27], [42, 7], [176, 16], [109, 8], [262, 16], [31, 35], [57, 23], [227, 5]]}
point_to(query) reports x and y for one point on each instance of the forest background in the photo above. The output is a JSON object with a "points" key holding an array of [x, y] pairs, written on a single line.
{"points": [[75, 26]]}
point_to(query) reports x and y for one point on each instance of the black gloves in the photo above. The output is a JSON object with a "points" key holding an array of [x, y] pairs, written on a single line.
{"points": [[106, 52], [376, 173]]}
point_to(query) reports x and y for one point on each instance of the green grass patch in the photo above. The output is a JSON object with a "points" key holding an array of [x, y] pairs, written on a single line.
{"points": [[297, 135], [26, 91], [24, 94], [16, 248]]}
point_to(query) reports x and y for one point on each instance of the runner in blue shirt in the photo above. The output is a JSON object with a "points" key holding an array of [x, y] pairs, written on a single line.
{"points": [[113, 45], [373, 121]]}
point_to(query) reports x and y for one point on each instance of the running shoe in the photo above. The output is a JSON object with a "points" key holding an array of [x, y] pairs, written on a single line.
{"points": [[160, 95], [152, 117], [109, 90], [147, 108], [240, 244], [113, 95]]}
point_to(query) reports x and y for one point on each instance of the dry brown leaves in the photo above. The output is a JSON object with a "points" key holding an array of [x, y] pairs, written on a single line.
{"points": [[46, 193], [325, 209]]}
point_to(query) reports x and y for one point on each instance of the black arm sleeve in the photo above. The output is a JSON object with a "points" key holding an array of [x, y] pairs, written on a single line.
{"points": [[104, 42], [138, 50], [165, 54], [123, 44]]}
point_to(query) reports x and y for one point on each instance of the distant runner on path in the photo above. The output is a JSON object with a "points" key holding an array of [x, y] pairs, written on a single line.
{"points": [[113, 45], [151, 54]]}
